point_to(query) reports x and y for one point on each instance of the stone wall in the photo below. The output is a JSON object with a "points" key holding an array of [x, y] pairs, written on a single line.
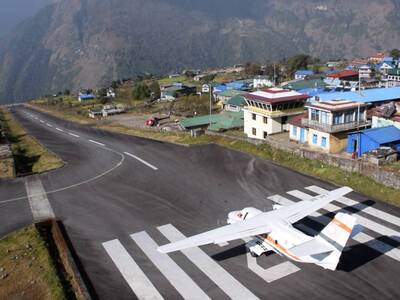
{"points": [[7, 166]]}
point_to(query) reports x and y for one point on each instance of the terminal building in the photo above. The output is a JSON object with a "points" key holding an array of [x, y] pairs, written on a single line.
{"points": [[267, 111]]}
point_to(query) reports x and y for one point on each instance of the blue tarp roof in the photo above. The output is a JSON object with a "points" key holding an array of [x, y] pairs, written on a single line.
{"points": [[304, 72], [366, 96], [383, 135]]}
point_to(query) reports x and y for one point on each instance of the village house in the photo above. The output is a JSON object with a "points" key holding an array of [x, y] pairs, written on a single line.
{"points": [[86, 97], [326, 124], [365, 72], [302, 74], [235, 104], [393, 75], [268, 110], [171, 92], [377, 58], [262, 82]]}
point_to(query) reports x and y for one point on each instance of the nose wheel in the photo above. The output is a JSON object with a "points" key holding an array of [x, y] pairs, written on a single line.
{"points": [[254, 254]]}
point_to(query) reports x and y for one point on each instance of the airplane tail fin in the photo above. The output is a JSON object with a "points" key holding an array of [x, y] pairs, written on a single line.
{"points": [[336, 233]]}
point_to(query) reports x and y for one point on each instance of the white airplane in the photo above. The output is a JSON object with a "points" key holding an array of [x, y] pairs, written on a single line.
{"points": [[273, 231]]}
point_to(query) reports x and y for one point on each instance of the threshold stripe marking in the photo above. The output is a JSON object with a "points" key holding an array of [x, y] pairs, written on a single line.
{"points": [[97, 143], [225, 281], [74, 135], [374, 226], [175, 275], [134, 276], [361, 206], [59, 129], [142, 161], [41, 121], [38, 201], [49, 125]]}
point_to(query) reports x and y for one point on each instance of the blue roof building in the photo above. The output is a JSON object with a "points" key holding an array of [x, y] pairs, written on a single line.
{"points": [[301, 74], [86, 97], [371, 139], [365, 96]]}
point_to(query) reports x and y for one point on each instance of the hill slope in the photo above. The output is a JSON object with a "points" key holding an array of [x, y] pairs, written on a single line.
{"points": [[86, 43]]}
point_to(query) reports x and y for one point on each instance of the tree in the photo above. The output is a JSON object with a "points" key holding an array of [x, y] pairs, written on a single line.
{"points": [[395, 53], [155, 91], [298, 62], [141, 91], [67, 92], [114, 84], [208, 78]]}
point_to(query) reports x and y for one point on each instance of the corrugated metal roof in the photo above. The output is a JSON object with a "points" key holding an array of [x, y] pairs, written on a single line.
{"points": [[237, 100], [225, 120], [383, 135], [366, 96], [304, 72]]}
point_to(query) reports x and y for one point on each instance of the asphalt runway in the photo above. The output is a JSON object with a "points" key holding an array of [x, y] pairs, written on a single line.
{"points": [[120, 196]]}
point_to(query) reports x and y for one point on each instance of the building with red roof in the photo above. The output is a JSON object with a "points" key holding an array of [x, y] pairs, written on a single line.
{"points": [[348, 75], [267, 111]]}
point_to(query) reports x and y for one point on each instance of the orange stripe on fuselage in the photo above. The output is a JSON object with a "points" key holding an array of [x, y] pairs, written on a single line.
{"points": [[280, 248], [341, 225]]}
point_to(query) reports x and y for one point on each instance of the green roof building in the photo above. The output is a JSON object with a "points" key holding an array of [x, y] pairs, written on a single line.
{"points": [[219, 122]]}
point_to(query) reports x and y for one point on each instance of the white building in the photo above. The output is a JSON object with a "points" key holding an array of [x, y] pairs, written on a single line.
{"points": [[262, 82], [267, 111], [326, 124], [365, 72]]}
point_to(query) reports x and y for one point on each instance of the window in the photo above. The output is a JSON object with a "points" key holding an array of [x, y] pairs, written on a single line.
{"points": [[254, 117], [315, 115], [265, 134], [254, 131], [348, 117], [337, 119], [265, 119], [324, 117], [323, 142], [294, 131], [315, 139]]}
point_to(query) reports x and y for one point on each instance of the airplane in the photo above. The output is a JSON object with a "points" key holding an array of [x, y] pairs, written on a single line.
{"points": [[273, 231]]}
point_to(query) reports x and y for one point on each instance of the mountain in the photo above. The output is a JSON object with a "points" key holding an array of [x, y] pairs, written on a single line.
{"points": [[87, 43], [13, 12]]}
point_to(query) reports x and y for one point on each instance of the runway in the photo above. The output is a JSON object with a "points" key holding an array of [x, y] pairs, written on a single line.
{"points": [[119, 197]]}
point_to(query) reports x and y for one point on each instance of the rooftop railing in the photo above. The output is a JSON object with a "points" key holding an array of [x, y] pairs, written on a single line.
{"points": [[328, 128]]}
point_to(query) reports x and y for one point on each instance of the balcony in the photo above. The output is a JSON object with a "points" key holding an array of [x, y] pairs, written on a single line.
{"points": [[328, 128], [276, 113]]}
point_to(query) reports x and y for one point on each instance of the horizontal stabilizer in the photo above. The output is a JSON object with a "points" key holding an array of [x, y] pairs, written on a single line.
{"points": [[311, 247]]}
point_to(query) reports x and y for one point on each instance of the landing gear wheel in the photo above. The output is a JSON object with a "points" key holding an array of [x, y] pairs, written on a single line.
{"points": [[254, 254]]}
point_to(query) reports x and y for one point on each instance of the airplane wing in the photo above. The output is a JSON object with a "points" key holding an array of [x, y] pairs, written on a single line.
{"points": [[302, 209], [254, 226], [260, 224]]}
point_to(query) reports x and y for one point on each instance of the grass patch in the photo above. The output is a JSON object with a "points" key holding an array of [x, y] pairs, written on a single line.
{"points": [[26, 268], [29, 155]]}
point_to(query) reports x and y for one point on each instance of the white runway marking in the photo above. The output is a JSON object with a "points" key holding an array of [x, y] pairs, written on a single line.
{"points": [[49, 125], [97, 143], [40, 205], [41, 121], [142, 161], [357, 205], [134, 276], [175, 275], [59, 129], [72, 134], [372, 225], [360, 237], [225, 281]]}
